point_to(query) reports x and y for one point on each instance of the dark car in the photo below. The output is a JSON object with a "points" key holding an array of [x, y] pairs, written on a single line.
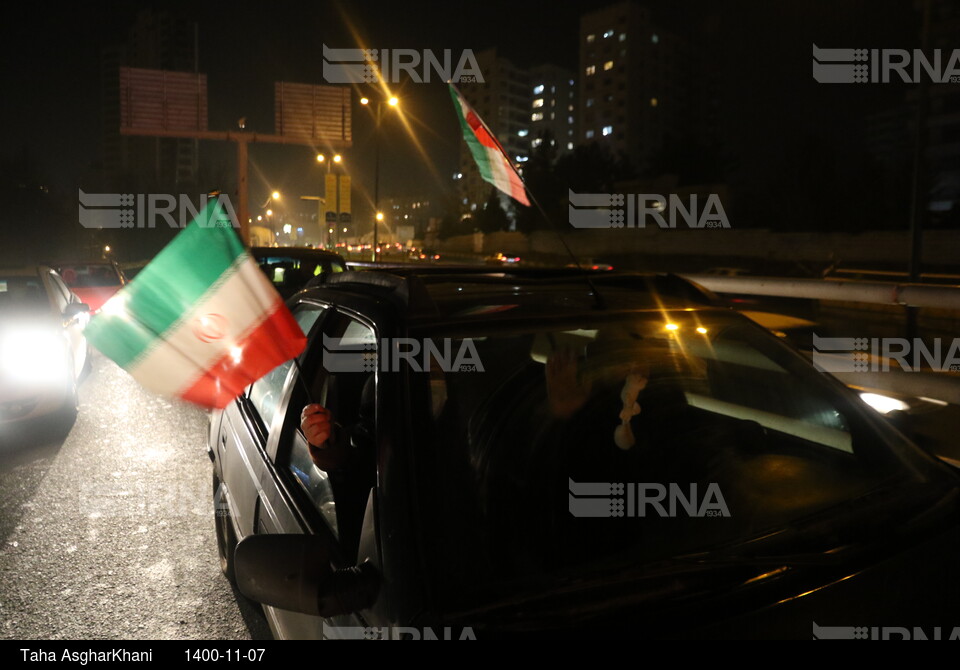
{"points": [[290, 268], [553, 453], [42, 348]]}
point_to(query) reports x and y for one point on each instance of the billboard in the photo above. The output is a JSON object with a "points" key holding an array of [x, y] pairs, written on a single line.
{"points": [[306, 111], [162, 100]]}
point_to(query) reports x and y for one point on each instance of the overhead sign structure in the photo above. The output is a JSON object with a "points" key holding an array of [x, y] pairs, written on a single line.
{"points": [[161, 103], [309, 111]]}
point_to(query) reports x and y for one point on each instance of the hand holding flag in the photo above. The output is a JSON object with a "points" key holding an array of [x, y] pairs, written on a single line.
{"points": [[201, 321]]}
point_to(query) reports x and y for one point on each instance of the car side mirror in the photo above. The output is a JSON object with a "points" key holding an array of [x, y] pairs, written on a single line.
{"points": [[74, 309], [292, 572]]}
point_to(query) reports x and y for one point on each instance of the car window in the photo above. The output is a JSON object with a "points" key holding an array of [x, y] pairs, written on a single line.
{"points": [[551, 443], [340, 379], [265, 393], [22, 293]]}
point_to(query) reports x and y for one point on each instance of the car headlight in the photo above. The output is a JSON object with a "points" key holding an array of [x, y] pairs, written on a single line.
{"points": [[883, 403], [33, 356]]}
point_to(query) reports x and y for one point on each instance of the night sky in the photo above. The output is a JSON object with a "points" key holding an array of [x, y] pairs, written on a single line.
{"points": [[50, 77]]}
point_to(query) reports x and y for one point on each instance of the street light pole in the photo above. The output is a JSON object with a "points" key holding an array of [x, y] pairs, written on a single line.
{"points": [[376, 191], [377, 215]]}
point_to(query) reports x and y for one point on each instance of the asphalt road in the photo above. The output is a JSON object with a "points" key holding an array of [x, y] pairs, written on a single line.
{"points": [[108, 533]]}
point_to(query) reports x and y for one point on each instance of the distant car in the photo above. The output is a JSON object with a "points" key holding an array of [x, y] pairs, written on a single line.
{"points": [[290, 268], [42, 348], [492, 484], [94, 283]]}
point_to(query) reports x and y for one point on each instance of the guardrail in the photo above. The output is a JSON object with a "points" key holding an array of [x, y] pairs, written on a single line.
{"points": [[879, 293]]}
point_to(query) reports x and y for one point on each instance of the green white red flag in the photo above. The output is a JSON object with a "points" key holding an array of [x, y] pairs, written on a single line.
{"points": [[201, 321], [495, 166]]}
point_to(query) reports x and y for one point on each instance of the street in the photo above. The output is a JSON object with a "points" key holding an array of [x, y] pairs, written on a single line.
{"points": [[109, 533]]}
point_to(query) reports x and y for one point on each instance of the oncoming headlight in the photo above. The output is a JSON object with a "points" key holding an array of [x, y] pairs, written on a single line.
{"points": [[33, 356]]}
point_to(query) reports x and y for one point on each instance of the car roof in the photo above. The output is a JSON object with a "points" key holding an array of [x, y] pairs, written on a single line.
{"points": [[437, 294]]}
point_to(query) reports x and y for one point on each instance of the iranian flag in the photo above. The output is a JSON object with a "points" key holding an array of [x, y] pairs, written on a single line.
{"points": [[495, 166], [201, 321]]}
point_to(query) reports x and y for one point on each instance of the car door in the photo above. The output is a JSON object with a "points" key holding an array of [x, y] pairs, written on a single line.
{"points": [[299, 497], [245, 431]]}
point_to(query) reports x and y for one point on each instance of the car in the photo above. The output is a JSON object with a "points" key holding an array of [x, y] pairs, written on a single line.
{"points": [[43, 352], [927, 421], [290, 268], [548, 453], [93, 283]]}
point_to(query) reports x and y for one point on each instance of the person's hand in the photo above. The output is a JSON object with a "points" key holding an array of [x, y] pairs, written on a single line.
{"points": [[316, 424], [565, 393], [635, 382]]}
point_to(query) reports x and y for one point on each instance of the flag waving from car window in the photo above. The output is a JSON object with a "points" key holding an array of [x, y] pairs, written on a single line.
{"points": [[495, 166], [201, 321]]}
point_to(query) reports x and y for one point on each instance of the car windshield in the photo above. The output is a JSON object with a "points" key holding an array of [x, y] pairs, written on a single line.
{"points": [[18, 294], [89, 276], [288, 271], [622, 441]]}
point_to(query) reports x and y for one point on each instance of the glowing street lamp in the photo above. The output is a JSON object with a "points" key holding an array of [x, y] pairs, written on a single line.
{"points": [[392, 101]]}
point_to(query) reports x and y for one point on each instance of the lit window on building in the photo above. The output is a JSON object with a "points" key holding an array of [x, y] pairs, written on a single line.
{"points": [[553, 89], [590, 38], [607, 33], [536, 116], [607, 130], [536, 143], [571, 82], [538, 89], [523, 132], [589, 102], [608, 65], [589, 134], [569, 146], [569, 119], [591, 69], [538, 103], [654, 102], [655, 38], [553, 115], [623, 37]]}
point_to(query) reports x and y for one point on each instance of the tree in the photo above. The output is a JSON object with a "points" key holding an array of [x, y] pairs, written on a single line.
{"points": [[589, 168], [491, 218]]}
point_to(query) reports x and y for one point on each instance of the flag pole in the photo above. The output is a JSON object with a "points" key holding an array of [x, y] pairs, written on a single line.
{"points": [[303, 381], [599, 299]]}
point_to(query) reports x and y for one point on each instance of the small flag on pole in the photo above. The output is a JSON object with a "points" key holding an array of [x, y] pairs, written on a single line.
{"points": [[201, 321], [495, 166]]}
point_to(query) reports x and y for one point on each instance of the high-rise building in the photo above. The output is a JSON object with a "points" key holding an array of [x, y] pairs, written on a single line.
{"points": [[408, 218], [503, 102], [553, 108], [638, 83], [158, 40]]}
